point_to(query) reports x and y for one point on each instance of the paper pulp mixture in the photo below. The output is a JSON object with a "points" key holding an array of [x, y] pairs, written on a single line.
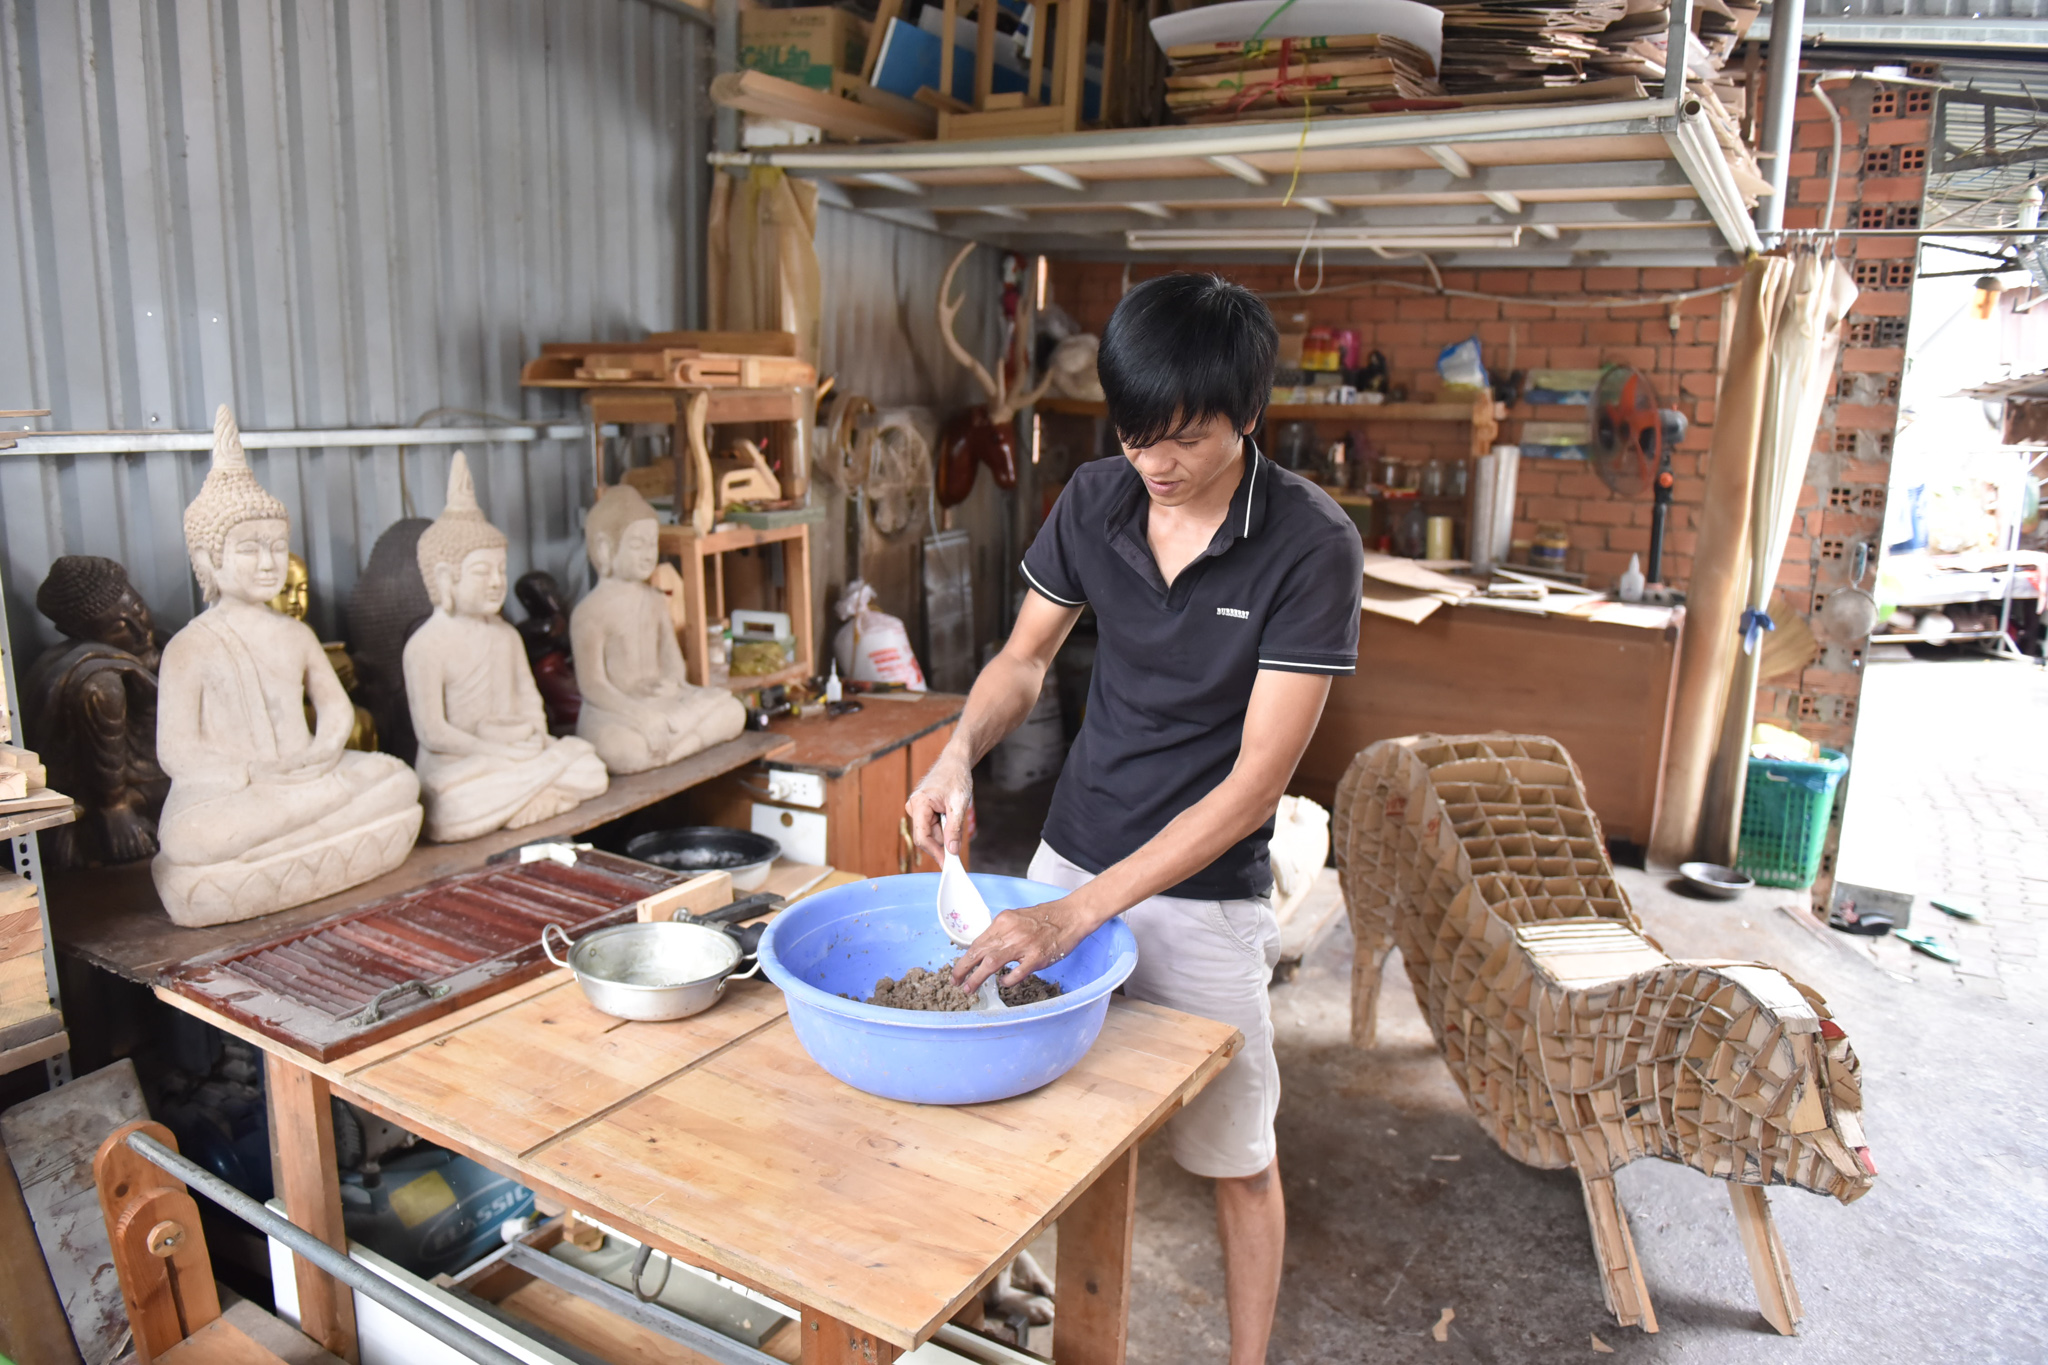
{"points": [[919, 989]]}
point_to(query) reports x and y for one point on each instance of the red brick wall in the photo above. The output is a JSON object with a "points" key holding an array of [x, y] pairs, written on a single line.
{"points": [[1411, 328]]}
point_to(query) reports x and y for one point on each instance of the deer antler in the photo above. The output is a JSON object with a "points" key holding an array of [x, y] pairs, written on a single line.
{"points": [[949, 308], [1004, 408]]}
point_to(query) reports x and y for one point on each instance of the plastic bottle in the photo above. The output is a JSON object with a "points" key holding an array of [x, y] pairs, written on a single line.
{"points": [[833, 691], [1629, 587]]}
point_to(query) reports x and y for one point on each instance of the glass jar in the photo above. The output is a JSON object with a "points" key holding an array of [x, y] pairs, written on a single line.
{"points": [[1389, 472], [1410, 526], [1461, 474], [1432, 482]]}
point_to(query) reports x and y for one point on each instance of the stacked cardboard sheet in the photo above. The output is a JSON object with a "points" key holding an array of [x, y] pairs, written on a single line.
{"points": [[1214, 82]]}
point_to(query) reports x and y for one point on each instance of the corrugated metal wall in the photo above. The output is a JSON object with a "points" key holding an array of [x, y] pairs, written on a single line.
{"points": [[327, 213]]}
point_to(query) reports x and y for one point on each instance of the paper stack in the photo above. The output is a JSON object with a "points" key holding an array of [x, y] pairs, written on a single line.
{"points": [[1263, 78]]}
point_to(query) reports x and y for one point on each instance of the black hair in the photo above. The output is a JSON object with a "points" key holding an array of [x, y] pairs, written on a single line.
{"points": [[1182, 349]]}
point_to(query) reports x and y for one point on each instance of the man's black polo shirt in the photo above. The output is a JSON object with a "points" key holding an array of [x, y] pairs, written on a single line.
{"points": [[1278, 587]]}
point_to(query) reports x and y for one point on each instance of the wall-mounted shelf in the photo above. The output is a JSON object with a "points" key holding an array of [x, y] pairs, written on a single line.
{"points": [[1480, 411]]}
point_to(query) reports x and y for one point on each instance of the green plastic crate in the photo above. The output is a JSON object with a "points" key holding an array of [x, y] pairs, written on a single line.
{"points": [[1785, 808]]}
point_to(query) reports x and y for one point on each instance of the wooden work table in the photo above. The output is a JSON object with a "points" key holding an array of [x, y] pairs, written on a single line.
{"points": [[866, 763], [1602, 690], [717, 1140], [111, 917]]}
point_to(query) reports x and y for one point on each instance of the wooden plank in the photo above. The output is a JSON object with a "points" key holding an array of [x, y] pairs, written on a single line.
{"points": [[51, 1139], [113, 920], [42, 1049], [828, 1341], [1776, 1295], [167, 1286], [1094, 1275], [24, 992], [737, 343], [593, 1328], [303, 1169], [220, 1342], [574, 1063], [32, 1322], [907, 1207], [756, 92]]}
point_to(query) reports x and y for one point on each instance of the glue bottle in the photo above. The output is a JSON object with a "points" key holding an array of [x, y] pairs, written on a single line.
{"points": [[833, 692]]}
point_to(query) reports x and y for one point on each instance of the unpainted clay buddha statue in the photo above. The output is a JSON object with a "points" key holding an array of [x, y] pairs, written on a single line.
{"points": [[486, 760], [639, 707], [263, 814], [89, 707]]}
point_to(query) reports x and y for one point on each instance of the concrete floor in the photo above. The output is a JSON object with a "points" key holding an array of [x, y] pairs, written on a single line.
{"points": [[1387, 1229]]}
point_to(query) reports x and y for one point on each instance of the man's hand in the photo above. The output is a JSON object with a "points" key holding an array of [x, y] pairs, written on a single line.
{"points": [[946, 793], [1032, 938]]}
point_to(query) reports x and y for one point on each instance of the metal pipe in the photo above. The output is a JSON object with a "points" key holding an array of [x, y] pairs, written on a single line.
{"points": [[436, 1325], [1788, 20], [655, 1317], [1074, 149], [1693, 143], [695, 177], [138, 442], [725, 58], [1677, 47]]}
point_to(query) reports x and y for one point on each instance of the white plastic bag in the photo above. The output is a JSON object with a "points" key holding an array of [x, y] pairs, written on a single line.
{"points": [[1300, 847], [873, 646]]}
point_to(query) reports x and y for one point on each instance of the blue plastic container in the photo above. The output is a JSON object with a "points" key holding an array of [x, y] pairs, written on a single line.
{"points": [[839, 942]]}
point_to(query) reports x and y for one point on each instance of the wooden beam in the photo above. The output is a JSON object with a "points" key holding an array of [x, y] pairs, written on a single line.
{"points": [[756, 92], [1094, 1268], [828, 1341], [32, 1322], [303, 1170]]}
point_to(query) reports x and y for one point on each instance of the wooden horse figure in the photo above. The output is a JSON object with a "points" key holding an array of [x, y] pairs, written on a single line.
{"points": [[1575, 1040]]}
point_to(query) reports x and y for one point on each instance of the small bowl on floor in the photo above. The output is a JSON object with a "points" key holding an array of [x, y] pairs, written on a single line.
{"points": [[1715, 881]]}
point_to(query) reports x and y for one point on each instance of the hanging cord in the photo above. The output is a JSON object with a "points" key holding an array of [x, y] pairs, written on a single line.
{"points": [[1301, 254], [1827, 221]]}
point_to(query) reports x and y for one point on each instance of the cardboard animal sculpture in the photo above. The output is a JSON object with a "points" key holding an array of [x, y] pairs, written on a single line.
{"points": [[388, 603], [546, 633], [1576, 1041], [295, 599], [89, 706], [982, 435], [639, 708], [486, 760], [263, 813]]}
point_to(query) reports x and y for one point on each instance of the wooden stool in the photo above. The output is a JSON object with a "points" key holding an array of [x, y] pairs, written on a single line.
{"points": [[166, 1275]]}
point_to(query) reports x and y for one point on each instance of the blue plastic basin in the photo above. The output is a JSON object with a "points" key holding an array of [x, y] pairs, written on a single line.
{"points": [[839, 942]]}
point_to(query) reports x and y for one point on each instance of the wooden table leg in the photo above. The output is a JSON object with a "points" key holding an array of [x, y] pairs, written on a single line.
{"points": [[302, 1163], [1093, 1280], [828, 1341]]}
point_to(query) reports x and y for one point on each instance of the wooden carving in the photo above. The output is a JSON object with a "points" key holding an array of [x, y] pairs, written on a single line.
{"points": [[983, 434], [1575, 1040]]}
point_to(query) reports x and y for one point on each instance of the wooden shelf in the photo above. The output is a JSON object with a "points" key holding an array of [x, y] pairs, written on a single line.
{"points": [[31, 820], [114, 921], [1477, 411], [704, 594]]}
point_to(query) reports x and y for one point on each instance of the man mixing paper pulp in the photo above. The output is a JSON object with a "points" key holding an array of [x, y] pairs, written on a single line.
{"points": [[1226, 592]]}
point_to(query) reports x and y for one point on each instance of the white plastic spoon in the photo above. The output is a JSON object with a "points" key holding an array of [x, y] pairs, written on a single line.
{"points": [[964, 915]]}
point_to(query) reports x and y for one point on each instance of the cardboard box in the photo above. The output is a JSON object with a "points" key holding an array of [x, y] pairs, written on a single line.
{"points": [[802, 45]]}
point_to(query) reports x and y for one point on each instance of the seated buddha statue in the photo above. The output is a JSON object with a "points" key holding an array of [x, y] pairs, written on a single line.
{"points": [[295, 599], [89, 707], [263, 813], [486, 760], [639, 707]]}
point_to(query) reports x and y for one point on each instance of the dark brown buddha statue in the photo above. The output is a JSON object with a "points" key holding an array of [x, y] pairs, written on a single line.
{"points": [[89, 707], [546, 632]]}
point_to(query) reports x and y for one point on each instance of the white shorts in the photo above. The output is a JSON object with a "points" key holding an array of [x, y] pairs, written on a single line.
{"points": [[1214, 959]]}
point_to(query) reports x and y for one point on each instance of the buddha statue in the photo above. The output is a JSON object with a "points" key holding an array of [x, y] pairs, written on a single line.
{"points": [[639, 707], [263, 813], [295, 599], [387, 604], [89, 707], [486, 760], [546, 633]]}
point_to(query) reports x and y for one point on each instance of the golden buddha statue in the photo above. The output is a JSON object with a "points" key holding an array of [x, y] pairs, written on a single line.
{"points": [[294, 599]]}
